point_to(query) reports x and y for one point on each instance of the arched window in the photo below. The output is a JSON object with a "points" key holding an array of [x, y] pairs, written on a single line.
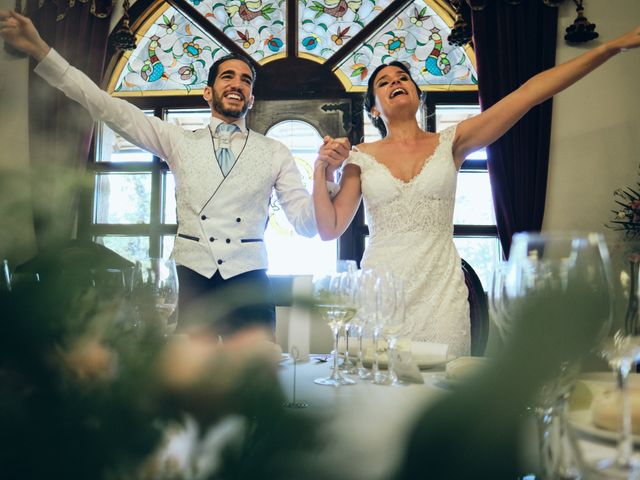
{"points": [[304, 50]]}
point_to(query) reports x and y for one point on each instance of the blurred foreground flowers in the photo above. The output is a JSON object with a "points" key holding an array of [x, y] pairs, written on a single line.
{"points": [[89, 391]]}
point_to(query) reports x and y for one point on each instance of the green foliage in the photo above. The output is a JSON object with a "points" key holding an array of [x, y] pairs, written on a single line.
{"points": [[84, 395]]}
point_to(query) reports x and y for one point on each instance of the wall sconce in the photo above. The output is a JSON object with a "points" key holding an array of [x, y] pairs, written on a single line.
{"points": [[123, 39], [581, 30], [461, 32]]}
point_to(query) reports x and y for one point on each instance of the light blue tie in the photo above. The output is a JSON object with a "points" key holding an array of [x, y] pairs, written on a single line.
{"points": [[224, 155]]}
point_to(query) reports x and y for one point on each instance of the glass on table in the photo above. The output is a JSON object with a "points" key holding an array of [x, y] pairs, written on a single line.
{"points": [[332, 298], [155, 284], [385, 309], [561, 264], [365, 300], [622, 351], [393, 328], [348, 281]]}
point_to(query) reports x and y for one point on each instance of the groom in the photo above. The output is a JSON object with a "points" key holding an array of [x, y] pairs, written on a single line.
{"points": [[224, 176]]}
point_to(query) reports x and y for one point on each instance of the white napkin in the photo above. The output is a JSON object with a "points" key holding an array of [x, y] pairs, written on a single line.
{"points": [[463, 368]]}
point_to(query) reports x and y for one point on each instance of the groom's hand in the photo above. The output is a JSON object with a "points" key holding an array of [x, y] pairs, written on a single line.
{"points": [[19, 32]]}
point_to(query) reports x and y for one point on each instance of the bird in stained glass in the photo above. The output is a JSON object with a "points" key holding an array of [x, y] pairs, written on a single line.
{"points": [[437, 62], [152, 69], [335, 8], [248, 10]]}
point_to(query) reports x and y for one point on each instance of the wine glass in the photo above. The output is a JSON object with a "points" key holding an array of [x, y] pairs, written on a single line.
{"points": [[348, 285], [365, 301], [385, 308], [562, 263], [155, 283], [392, 329], [622, 351], [331, 297]]}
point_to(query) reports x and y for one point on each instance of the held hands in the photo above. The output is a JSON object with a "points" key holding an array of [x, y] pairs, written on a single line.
{"points": [[332, 154], [19, 32]]}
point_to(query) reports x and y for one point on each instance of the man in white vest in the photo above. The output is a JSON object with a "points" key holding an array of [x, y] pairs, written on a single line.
{"points": [[224, 177]]}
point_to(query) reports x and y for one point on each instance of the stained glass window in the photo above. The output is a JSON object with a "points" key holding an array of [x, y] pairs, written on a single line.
{"points": [[174, 53], [173, 56], [326, 25], [258, 26], [418, 37]]}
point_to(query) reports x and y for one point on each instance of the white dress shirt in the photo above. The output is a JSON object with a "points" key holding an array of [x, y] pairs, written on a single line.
{"points": [[221, 221]]}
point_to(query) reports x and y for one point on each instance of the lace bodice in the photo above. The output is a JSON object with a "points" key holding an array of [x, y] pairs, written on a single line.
{"points": [[411, 233]]}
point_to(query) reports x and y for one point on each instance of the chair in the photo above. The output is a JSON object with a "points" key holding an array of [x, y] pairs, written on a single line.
{"points": [[478, 309]]}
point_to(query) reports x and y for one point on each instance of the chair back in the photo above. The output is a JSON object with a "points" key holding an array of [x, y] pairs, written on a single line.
{"points": [[478, 310]]}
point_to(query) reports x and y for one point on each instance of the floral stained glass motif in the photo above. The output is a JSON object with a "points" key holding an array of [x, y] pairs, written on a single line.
{"points": [[326, 25], [258, 26], [173, 56], [417, 37]]}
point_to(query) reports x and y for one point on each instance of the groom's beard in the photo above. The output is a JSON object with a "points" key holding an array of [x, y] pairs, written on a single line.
{"points": [[217, 104]]}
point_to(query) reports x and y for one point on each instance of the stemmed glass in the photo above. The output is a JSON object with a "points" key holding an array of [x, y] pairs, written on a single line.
{"points": [[385, 308], [554, 262], [392, 329], [348, 285], [365, 301], [155, 282], [622, 351], [332, 297]]}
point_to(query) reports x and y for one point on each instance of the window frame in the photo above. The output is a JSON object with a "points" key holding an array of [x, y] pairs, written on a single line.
{"points": [[351, 244]]}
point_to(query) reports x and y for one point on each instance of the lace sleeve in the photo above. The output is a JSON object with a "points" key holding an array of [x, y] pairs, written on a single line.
{"points": [[448, 134], [356, 157]]}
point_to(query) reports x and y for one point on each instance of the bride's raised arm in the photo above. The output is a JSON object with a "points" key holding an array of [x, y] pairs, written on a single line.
{"points": [[485, 128]]}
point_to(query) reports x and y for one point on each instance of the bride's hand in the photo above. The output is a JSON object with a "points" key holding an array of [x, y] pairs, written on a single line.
{"points": [[627, 41], [333, 152]]}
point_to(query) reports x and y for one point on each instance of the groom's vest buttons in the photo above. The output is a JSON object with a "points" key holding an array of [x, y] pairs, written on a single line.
{"points": [[238, 219], [219, 262], [203, 217], [228, 240], [211, 239]]}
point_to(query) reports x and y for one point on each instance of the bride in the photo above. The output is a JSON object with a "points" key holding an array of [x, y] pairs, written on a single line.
{"points": [[408, 181]]}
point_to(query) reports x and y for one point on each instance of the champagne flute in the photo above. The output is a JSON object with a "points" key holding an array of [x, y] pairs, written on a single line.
{"points": [[392, 329], [332, 299], [365, 300], [385, 308]]}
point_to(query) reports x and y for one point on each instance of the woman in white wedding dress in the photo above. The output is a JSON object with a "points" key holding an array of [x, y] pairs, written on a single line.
{"points": [[408, 180]]}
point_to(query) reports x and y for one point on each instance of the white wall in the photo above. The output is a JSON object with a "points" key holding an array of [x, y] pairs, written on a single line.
{"points": [[595, 139]]}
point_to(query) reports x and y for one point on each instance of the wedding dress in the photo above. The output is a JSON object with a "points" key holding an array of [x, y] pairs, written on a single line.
{"points": [[411, 234]]}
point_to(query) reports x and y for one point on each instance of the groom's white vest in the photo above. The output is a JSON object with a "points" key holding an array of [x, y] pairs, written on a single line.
{"points": [[221, 221]]}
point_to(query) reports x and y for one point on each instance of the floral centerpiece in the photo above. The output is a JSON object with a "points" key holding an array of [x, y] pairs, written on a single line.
{"points": [[627, 217]]}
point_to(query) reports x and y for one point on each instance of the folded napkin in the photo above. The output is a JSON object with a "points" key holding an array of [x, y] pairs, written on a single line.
{"points": [[463, 368], [424, 354], [606, 409]]}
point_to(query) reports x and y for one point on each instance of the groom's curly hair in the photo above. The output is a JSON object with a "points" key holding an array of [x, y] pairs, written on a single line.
{"points": [[370, 98]]}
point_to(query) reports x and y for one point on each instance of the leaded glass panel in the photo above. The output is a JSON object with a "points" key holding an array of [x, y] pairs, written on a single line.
{"points": [[325, 26], [173, 56], [257, 26], [418, 37]]}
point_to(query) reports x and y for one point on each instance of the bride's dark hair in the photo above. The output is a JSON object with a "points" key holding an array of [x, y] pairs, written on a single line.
{"points": [[370, 99]]}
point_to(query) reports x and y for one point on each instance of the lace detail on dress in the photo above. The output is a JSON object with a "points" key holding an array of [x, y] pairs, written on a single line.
{"points": [[411, 234]]}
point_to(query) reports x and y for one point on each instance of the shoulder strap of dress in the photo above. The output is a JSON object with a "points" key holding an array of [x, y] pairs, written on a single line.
{"points": [[448, 134]]}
